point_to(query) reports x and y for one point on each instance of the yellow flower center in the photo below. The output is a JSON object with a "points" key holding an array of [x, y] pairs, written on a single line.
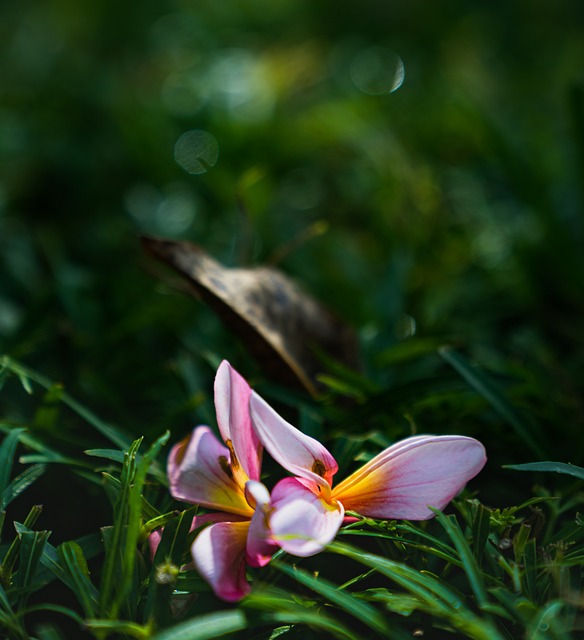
{"points": [[236, 472]]}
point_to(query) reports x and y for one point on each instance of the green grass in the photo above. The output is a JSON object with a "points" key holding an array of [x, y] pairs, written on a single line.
{"points": [[483, 571]]}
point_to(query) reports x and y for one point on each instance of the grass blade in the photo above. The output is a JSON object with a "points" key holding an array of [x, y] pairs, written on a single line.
{"points": [[434, 597], [7, 451], [31, 550], [481, 528], [364, 612], [471, 568], [9, 559], [479, 381], [73, 561], [25, 375], [556, 467], [282, 608], [121, 628], [170, 551], [20, 484], [205, 627], [121, 550]]}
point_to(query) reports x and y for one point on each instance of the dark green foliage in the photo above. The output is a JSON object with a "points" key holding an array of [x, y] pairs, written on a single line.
{"points": [[443, 220]]}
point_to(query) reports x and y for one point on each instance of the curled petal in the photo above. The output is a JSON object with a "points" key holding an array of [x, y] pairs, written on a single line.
{"points": [[402, 481], [257, 494], [301, 522], [295, 451], [219, 556], [216, 516], [232, 395], [199, 472], [153, 541], [260, 546], [198, 521]]}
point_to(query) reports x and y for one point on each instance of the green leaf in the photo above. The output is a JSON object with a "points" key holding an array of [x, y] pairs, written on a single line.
{"points": [[7, 451], [344, 600], [20, 484], [120, 561], [159, 521], [109, 454], [30, 442], [25, 382], [530, 575], [205, 627], [124, 627], [480, 531], [31, 550], [9, 559], [471, 568], [280, 608], [557, 467], [405, 605], [547, 624], [516, 607], [171, 548], [25, 375], [90, 545], [433, 594], [481, 383], [407, 350], [9, 620], [57, 608], [435, 597], [48, 632], [46, 416], [118, 456], [73, 561], [4, 602], [437, 547]]}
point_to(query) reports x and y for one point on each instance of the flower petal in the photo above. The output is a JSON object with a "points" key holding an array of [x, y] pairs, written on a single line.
{"points": [[198, 521], [232, 395], [199, 472], [153, 542], [402, 481], [301, 522], [295, 451], [219, 556], [260, 546]]}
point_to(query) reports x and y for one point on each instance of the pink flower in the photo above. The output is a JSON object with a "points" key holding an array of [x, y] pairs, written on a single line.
{"points": [[225, 478], [304, 512], [399, 483]]}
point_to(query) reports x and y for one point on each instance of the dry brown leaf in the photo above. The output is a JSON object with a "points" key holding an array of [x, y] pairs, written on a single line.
{"points": [[282, 326]]}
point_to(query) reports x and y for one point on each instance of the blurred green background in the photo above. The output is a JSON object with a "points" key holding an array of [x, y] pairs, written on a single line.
{"points": [[417, 166]]}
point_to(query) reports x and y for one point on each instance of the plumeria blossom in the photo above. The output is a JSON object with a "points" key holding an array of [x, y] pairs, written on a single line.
{"points": [[304, 512], [401, 482], [224, 477]]}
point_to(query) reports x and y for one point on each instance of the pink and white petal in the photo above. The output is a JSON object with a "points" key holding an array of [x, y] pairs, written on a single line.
{"points": [[260, 546], [198, 521], [378, 461], [295, 451], [402, 481], [300, 521], [216, 516], [219, 556], [232, 394], [199, 472], [153, 542], [257, 494]]}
